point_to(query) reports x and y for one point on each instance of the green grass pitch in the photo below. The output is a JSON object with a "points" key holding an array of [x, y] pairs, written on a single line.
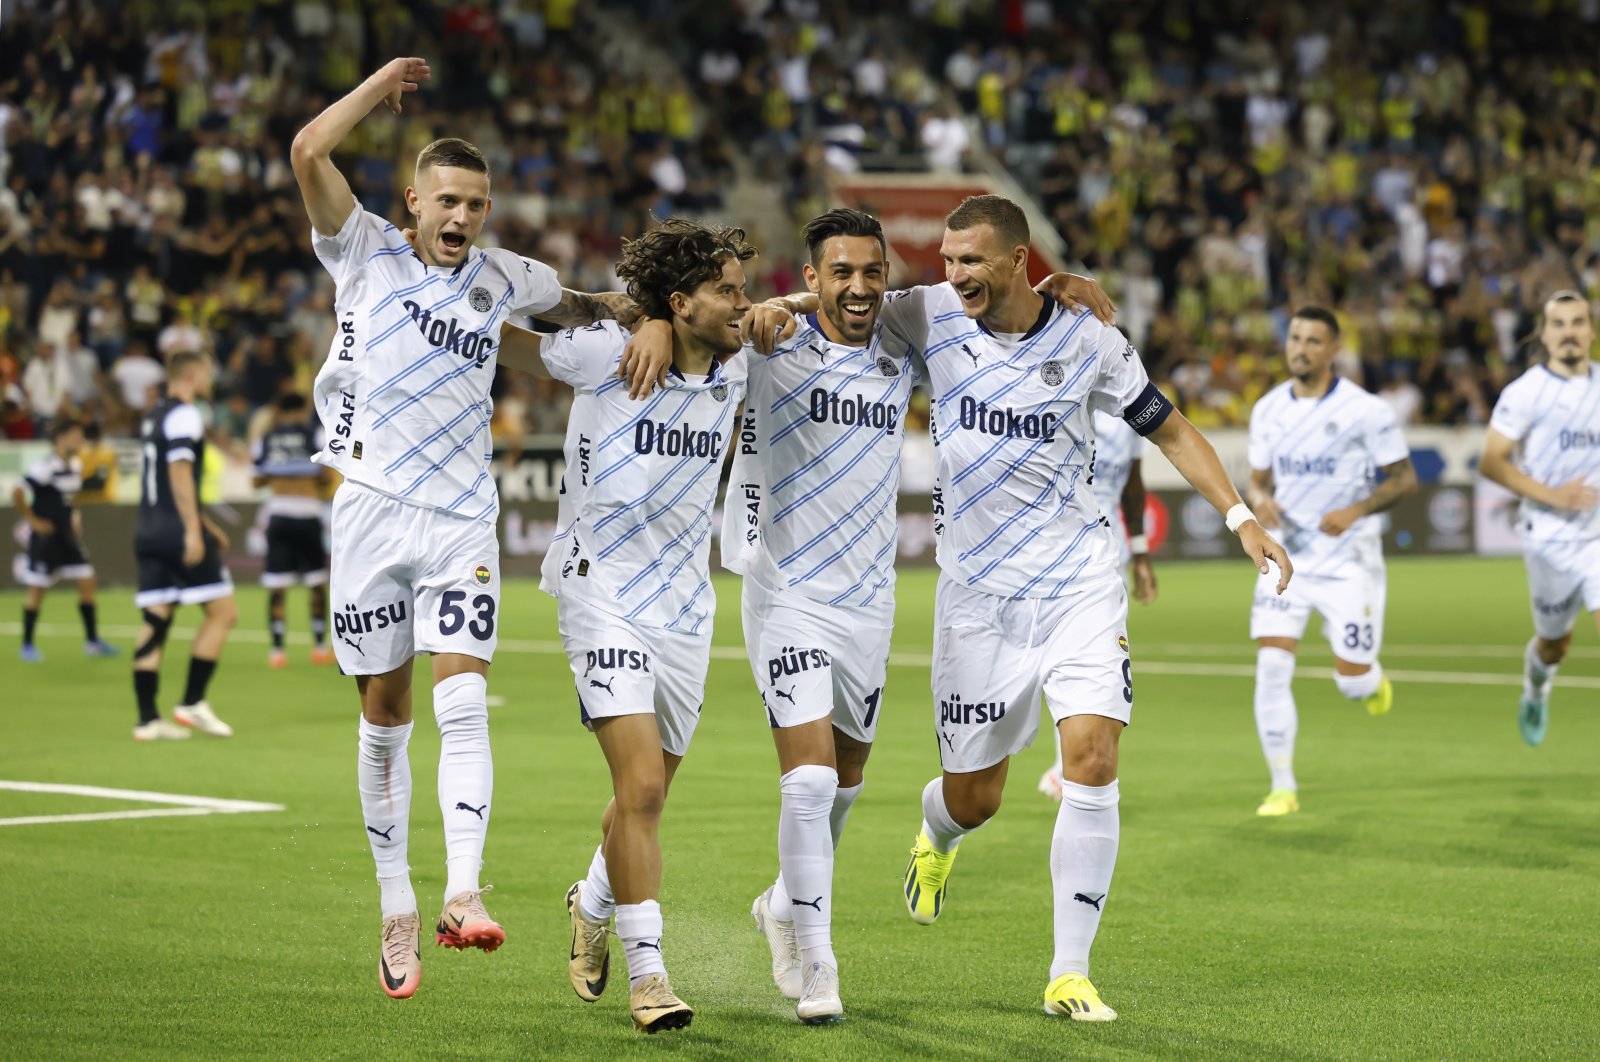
{"points": [[1439, 896]]}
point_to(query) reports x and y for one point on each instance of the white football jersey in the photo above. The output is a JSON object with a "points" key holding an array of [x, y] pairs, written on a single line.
{"points": [[1556, 422], [811, 502], [633, 526], [1324, 454], [1013, 419], [1116, 448], [404, 394]]}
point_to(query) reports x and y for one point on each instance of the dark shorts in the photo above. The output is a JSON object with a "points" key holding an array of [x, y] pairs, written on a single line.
{"points": [[295, 553], [52, 557], [164, 580]]}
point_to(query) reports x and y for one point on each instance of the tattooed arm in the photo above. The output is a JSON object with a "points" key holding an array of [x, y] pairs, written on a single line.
{"points": [[578, 309]]}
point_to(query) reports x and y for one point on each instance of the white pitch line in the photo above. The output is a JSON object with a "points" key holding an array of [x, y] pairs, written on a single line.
{"points": [[180, 803], [104, 816], [1142, 662], [257, 636]]}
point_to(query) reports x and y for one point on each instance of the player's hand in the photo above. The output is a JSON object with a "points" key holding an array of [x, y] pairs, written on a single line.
{"points": [[1078, 294], [41, 526], [400, 76], [1261, 547], [1575, 495], [646, 358], [1144, 579], [1338, 521], [194, 547], [218, 535], [766, 325]]}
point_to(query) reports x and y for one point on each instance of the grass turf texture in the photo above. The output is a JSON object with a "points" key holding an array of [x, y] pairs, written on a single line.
{"points": [[1436, 898]]}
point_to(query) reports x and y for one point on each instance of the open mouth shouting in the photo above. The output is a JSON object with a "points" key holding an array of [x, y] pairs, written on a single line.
{"points": [[452, 243]]}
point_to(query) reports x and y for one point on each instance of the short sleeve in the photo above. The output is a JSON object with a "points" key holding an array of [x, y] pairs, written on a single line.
{"points": [[360, 237], [1513, 414], [534, 287], [905, 315], [1259, 456], [183, 429], [1121, 384], [1384, 438], [584, 357], [40, 474]]}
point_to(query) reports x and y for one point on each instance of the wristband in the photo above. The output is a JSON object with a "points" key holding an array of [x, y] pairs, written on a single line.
{"points": [[1237, 516], [1138, 544]]}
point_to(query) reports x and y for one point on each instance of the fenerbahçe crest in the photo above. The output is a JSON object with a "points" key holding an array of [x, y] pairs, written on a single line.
{"points": [[480, 299], [887, 366], [481, 574], [1052, 373], [719, 392]]}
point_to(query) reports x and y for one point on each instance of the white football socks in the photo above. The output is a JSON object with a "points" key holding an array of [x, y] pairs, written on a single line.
{"points": [[941, 829], [1360, 687], [466, 777], [639, 927], [805, 858], [595, 901], [1083, 853], [383, 778], [1537, 676], [1276, 718], [843, 801]]}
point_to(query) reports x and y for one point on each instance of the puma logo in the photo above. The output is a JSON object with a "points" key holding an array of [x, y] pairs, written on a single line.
{"points": [[822, 355], [786, 696], [356, 645], [606, 685], [815, 905], [462, 805], [970, 354], [383, 833], [948, 739], [653, 945], [1092, 901]]}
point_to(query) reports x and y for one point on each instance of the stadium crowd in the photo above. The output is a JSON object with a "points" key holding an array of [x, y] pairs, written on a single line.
{"points": [[1215, 163]]}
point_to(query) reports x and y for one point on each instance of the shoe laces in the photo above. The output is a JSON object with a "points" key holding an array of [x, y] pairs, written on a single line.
{"points": [[821, 979], [400, 938], [655, 991], [469, 905], [593, 933]]}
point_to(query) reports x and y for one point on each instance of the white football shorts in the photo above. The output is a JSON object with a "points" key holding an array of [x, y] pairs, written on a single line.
{"points": [[1350, 602], [626, 668], [409, 579], [994, 656], [1563, 578], [812, 660]]}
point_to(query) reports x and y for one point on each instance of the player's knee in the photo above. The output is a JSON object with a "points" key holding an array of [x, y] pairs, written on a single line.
{"points": [[811, 785], [642, 798], [1554, 650], [223, 612], [1094, 765], [1274, 670], [972, 806], [158, 627]]}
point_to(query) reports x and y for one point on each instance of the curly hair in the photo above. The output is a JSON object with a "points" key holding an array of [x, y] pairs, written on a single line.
{"points": [[677, 255]]}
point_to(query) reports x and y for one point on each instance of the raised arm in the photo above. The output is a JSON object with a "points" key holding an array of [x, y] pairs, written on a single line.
{"points": [[1496, 465], [326, 192], [1198, 463]]}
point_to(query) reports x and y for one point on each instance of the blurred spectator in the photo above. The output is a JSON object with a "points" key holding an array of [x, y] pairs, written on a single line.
{"points": [[138, 377]]}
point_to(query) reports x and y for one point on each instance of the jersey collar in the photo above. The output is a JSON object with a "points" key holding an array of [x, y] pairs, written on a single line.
{"points": [[1046, 311], [454, 272]]}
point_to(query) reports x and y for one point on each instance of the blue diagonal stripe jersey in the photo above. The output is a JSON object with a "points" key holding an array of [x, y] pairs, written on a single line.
{"points": [[404, 395], [633, 526], [816, 468], [1013, 422]]}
